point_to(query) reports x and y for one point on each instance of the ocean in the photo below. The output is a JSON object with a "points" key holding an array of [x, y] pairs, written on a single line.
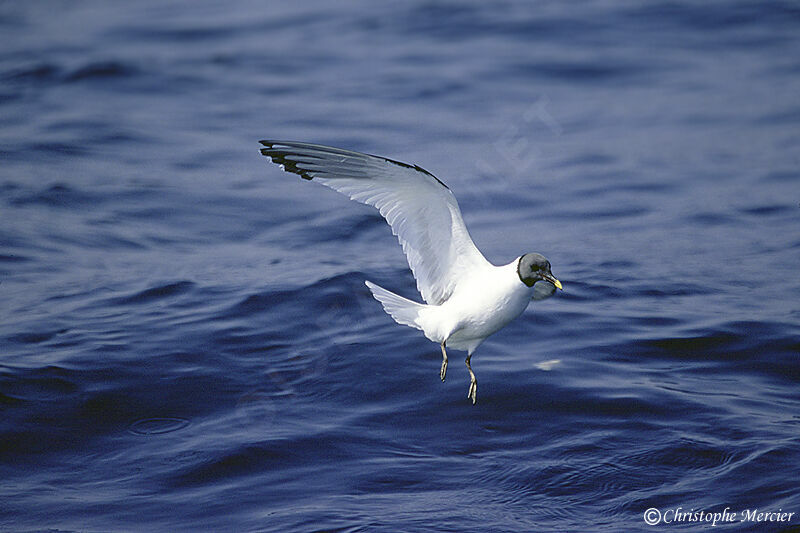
{"points": [[186, 340]]}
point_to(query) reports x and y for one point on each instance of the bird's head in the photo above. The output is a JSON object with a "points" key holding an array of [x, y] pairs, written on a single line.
{"points": [[535, 267]]}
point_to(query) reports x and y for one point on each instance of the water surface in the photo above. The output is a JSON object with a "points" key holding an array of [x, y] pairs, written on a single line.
{"points": [[186, 341]]}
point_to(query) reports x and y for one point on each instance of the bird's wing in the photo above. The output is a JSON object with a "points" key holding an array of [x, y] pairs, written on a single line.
{"points": [[421, 210]]}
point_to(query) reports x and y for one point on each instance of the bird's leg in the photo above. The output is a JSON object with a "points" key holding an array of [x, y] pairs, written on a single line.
{"points": [[443, 371], [473, 384]]}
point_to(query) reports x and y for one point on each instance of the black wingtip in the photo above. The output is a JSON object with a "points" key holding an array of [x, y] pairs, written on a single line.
{"points": [[279, 158]]}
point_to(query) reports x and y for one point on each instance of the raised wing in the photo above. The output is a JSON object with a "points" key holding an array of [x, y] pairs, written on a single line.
{"points": [[420, 209]]}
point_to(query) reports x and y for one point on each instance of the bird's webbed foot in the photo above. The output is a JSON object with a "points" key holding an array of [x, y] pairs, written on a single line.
{"points": [[472, 393], [443, 371]]}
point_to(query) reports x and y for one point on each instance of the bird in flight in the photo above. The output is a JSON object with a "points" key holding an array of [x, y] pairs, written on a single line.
{"points": [[466, 297]]}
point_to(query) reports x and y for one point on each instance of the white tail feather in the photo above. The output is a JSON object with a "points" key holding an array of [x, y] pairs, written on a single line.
{"points": [[402, 310]]}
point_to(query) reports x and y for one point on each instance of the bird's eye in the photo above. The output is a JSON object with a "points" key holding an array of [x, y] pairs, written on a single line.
{"points": [[535, 268]]}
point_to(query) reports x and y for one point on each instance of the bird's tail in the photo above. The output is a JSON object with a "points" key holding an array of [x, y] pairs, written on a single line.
{"points": [[403, 311]]}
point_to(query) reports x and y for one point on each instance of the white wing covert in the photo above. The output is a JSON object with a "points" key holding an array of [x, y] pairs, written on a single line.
{"points": [[421, 210]]}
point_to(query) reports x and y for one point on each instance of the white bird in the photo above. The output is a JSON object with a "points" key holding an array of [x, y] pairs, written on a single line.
{"points": [[466, 297]]}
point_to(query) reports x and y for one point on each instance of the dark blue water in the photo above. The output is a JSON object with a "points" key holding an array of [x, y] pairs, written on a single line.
{"points": [[186, 342]]}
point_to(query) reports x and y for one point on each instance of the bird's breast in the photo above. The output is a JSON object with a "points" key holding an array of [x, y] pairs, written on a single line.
{"points": [[487, 303]]}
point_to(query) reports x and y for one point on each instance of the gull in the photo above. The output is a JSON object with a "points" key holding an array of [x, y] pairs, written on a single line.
{"points": [[466, 297]]}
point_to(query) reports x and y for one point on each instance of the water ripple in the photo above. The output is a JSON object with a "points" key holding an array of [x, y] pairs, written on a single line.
{"points": [[157, 426]]}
